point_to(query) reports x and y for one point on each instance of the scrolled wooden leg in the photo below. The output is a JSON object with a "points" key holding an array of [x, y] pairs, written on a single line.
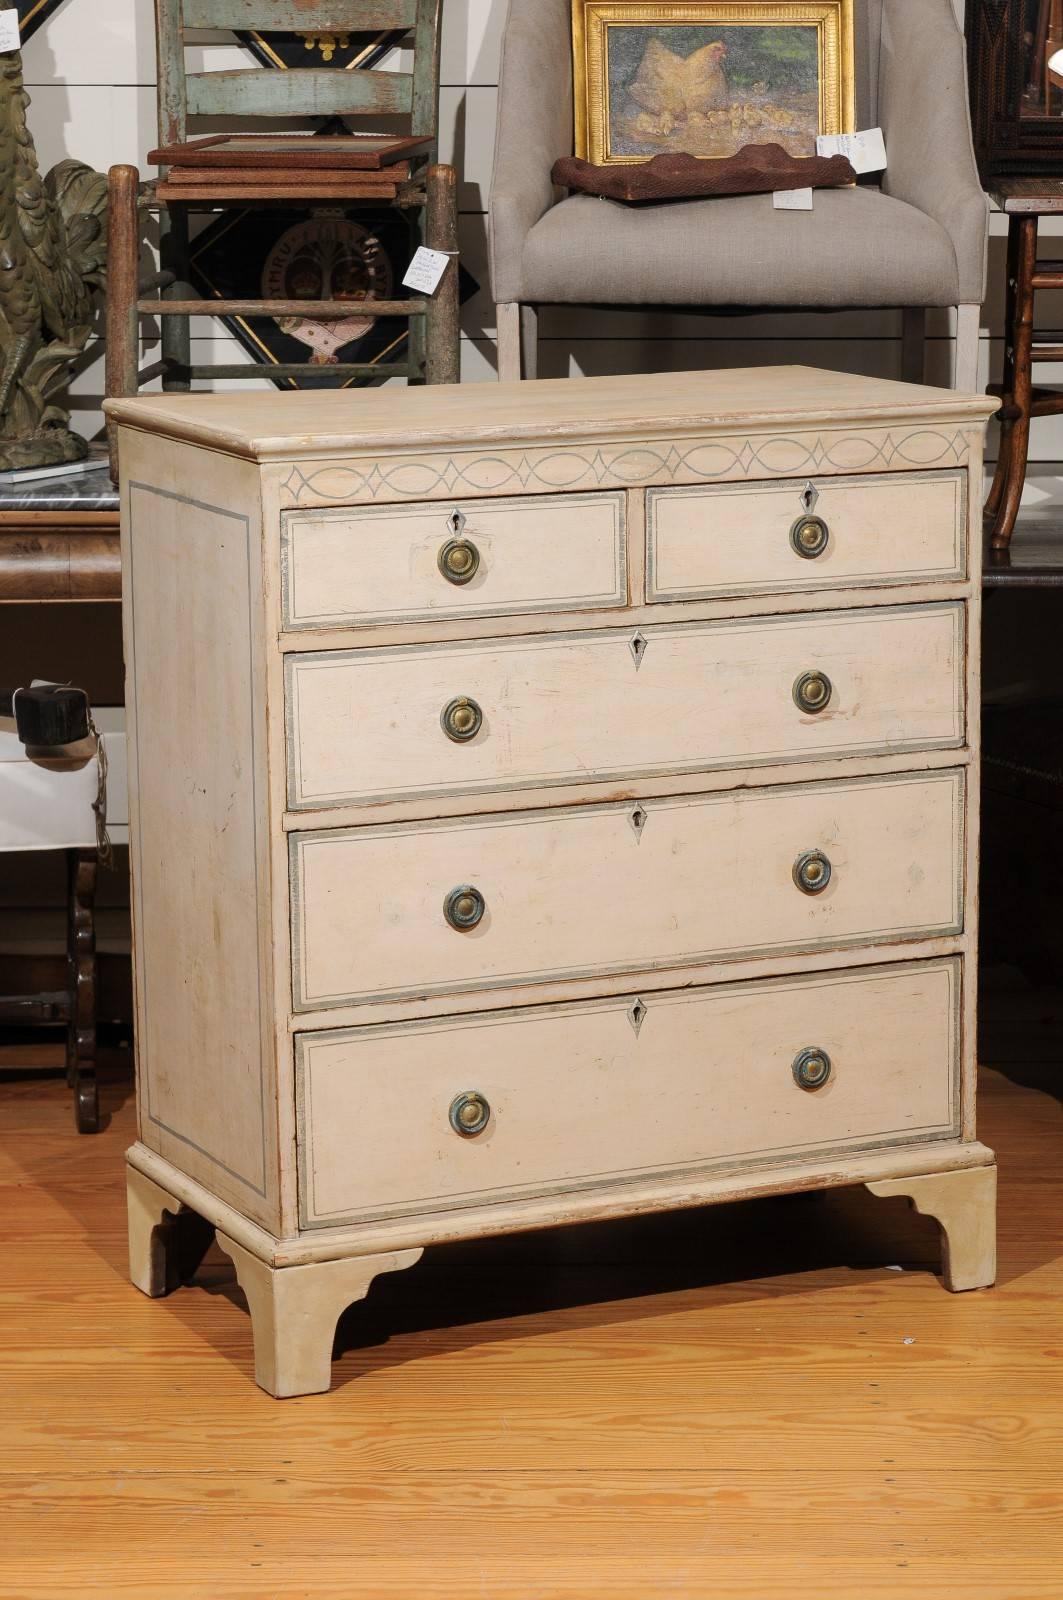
{"points": [[294, 1312], [965, 1205], [166, 1240]]}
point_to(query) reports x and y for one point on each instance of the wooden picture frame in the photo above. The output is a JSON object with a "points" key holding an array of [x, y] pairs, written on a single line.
{"points": [[707, 77]]}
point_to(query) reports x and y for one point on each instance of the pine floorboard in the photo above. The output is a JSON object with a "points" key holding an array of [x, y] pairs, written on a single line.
{"points": [[741, 1403]]}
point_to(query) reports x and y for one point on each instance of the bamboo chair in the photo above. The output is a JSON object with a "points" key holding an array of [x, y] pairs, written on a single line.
{"points": [[425, 191]]}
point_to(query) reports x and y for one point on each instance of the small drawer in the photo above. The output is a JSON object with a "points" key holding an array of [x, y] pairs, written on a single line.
{"points": [[459, 1112], [467, 558], [430, 720], [766, 538], [579, 892]]}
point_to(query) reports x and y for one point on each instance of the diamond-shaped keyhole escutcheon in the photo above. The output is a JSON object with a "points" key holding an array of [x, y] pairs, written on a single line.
{"points": [[638, 820], [456, 523], [637, 644], [636, 1015], [810, 496]]}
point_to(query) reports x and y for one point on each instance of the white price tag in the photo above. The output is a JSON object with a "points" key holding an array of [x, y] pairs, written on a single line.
{"points": [[792, 199], [426, 270], [9, 39], [865, 151]]}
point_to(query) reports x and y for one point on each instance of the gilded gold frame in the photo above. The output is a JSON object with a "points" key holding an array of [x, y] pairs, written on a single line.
{"points": [[833, 20]]}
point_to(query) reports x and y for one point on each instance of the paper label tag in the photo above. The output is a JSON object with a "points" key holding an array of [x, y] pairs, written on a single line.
{"points": [[426, 270], [865, 151], [792, 199], [9, 37]]}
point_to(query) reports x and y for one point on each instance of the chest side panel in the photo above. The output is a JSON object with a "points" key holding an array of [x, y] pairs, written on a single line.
{"points": [[199, 850]]}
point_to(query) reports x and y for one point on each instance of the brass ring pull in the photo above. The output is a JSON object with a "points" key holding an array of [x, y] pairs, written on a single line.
{"points": [[812, 872], [464, 907], [459, 561], [469, 1114], [462, 719], [812, 1068], [812, 692], [809, 537]]}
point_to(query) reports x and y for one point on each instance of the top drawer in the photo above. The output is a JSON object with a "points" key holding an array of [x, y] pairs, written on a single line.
{"points": [[419, 563], [729, 539]]}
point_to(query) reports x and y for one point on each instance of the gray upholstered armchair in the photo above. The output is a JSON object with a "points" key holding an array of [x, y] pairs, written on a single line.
{"points": [[916, 242]]}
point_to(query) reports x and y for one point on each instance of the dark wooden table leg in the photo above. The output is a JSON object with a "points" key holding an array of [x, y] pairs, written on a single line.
{"points": [[1007, 388], [1015, 435], [81, 969]]}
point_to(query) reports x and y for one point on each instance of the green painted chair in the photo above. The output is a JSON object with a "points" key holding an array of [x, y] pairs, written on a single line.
{"points": [[201, 175]]}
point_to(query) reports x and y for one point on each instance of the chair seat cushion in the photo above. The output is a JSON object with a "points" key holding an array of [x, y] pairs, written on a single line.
{"points": [[857, 247]]}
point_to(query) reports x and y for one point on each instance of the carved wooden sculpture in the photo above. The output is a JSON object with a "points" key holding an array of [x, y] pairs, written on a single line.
{"points": [[52, 262]]}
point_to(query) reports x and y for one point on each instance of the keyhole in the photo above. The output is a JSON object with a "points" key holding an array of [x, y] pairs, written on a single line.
{"points": [[810, 496], [456, 522]]}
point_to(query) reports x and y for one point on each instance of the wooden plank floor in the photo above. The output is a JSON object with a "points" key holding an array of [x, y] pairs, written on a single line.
{"points": [[740, 1402]]}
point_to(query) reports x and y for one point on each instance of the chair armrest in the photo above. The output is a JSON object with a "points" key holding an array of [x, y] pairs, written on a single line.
{"points": [[925, 118], [534, 128]]}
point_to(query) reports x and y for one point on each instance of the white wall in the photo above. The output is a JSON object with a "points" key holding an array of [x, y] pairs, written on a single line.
{"points": [[91, 70]]}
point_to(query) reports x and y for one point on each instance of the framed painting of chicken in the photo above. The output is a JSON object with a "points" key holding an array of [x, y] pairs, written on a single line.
{"points": [[707, 77]]}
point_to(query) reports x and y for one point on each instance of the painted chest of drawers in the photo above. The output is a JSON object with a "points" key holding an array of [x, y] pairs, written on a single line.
{"points": [[549, 802]]}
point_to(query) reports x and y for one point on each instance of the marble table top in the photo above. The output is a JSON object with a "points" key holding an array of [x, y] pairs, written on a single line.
{"points": [[91, 490]]}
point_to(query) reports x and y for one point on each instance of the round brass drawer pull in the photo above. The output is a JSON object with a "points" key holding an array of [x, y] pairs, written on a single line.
{"points": [[812, 692], [812, 1068], [469, 1114], [459, 561], [812, 872], [464, 907], [462, 719], [809, 537]]}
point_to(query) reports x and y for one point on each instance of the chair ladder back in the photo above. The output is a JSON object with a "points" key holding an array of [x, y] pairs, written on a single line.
{"points": [[424, 122], [298, 91]]}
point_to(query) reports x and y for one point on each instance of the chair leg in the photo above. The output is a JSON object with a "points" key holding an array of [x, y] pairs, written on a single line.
{"points": [[529, 340], [176, 331], [913, 345], [1015, 432], [82, 866], [507, 319], [443, 333], [122, 359], [968, 336]]}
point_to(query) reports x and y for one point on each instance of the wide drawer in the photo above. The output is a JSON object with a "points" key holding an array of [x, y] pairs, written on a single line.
{"points": [[383, 564], [611, 1091], [371, 724], [903, 527], [593, 890]]}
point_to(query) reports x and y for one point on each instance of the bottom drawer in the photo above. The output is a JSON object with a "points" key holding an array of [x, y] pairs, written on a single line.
{"points": [[610, 1090]]}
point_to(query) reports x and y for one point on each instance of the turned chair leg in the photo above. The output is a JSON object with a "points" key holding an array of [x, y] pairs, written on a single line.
{"points": [[167, 1241], [507, 321], [82, 868], [294, 1312], [1006, 494], [965, 1205]]}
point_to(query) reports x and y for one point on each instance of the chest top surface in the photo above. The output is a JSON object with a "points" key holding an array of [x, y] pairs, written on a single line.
{"points": [[292, 426]]}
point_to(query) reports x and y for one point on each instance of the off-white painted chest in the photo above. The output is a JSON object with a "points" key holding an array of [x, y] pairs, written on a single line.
{"points": [[548, 802]]}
